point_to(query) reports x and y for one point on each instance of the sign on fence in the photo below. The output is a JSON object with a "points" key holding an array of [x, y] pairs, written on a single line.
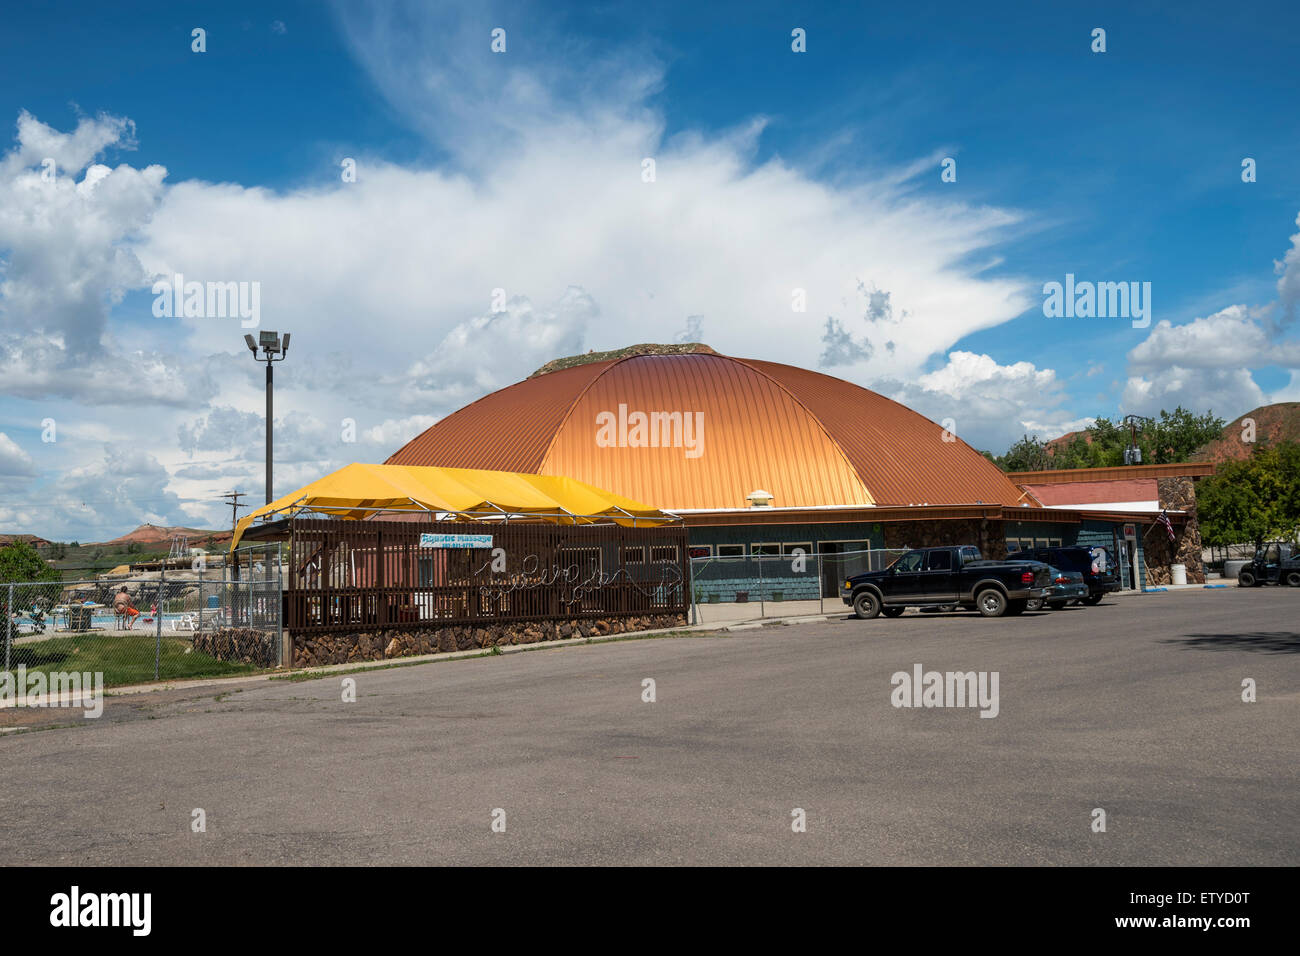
{"points": [[455, 540]]}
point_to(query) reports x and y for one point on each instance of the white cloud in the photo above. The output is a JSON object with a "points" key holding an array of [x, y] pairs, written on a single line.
{"points": [[14, 462], [386, 283], [1206, 363], [1288, 283], [1227, 391], [1233, 336], [991, 404], [123, 488], [498, 348]]}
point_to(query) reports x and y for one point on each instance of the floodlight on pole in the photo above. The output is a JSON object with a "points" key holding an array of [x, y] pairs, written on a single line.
{"points": [[273, 350]]}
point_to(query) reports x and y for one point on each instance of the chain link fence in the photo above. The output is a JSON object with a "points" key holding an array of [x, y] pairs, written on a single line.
{"points": [[790, 584], [216, 616]]}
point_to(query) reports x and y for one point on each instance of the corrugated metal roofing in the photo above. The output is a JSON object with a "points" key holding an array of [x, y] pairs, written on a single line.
{"points": [[809, 439], [900, 455], [506, 430]]}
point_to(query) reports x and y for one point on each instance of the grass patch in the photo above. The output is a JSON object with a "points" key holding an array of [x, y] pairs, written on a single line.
{"points": [[122, 659]]}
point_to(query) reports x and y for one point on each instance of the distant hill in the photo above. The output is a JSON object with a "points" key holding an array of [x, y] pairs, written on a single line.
{"points": [[1055, 444], [646, 348], [31, 539], [153, 534], [1273, 424]]}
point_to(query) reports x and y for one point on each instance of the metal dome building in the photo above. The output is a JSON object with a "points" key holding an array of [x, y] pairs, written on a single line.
{"points": [[702, 432], [765, 460]]}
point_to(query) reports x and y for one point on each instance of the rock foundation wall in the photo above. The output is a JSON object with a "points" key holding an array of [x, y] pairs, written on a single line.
{"points": [[261, 648], [311, 650]]}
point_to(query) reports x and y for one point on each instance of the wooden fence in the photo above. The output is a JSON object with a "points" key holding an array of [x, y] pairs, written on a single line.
{"points": [[346, 576]]}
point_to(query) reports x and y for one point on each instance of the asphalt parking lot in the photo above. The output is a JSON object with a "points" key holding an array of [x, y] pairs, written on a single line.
{"points": [[1134, 707]]}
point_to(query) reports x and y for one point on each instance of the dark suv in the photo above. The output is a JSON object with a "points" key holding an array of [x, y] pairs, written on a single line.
{"points": [[1095, 564]]}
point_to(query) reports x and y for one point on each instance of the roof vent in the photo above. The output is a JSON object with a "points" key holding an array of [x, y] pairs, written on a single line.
{"points": [[759, 499]]}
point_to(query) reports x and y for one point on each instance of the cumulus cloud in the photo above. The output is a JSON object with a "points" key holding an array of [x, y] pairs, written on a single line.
{"points": [[124, 487], [63, 239], [498, 348], [387, 282], [991, 404], [1207, 363], [14, 461], [1288, 283], [1228, 391], [1232, 336]]}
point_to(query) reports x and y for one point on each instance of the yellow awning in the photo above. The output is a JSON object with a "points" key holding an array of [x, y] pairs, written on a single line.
{"points": [[359, 491]]}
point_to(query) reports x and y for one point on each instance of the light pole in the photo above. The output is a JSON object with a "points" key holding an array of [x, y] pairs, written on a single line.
{"points": [[273, 350]]}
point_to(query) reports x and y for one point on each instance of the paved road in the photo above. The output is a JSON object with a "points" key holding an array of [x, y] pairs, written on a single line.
{"points": [[1134, 706]]}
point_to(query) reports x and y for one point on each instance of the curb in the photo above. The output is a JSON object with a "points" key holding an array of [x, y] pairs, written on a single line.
{"points": [[326, 670]]}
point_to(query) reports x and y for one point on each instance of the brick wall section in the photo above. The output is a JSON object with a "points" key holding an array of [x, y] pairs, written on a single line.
{"points": [[313, 650]]}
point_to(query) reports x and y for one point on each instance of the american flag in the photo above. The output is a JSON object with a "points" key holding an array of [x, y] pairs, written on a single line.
{"points": [[1169, 528]]}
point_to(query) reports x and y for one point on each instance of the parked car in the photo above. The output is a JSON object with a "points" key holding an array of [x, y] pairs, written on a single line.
{"points": [[1278, 562], [950, 575], [1066, 588], [1095, 564]]}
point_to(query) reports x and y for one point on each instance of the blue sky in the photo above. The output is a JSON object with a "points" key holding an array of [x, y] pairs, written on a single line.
{"points": [[521, 170]]}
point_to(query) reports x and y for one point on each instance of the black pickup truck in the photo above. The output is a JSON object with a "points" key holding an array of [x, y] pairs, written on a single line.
{"points": [[955, 575]]}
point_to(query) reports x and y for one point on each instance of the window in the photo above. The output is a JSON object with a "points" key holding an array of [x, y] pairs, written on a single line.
{"points": [[909, 562], [634, 555], [578, 564], [790, 549], [731, 550], [770, 549], [700, 551], [940, 560], [664, 552], [1013, 545]]}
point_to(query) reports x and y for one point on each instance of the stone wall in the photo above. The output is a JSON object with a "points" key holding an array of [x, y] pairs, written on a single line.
{"points": [[1176, 494], [985, 534], [311, 650], [248, 646]]}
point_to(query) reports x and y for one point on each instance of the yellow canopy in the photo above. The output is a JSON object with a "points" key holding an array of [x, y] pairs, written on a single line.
{"points": [[358, 491]]}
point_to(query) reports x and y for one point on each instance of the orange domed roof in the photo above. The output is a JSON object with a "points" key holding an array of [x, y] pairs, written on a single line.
{"points": [[703, 431]]}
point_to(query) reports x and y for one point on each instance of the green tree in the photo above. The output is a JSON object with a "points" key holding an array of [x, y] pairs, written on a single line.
{"points": [[21, 562], [1028, 454], [1179, 433], [1170, 438], [1252, 501]]}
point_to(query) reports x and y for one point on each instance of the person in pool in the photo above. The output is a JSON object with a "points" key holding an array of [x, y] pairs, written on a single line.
{"points": [[122, 608]]}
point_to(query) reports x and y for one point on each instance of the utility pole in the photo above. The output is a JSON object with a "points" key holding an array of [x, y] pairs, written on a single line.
{"points": [[234, 497], [1133, 454]]}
